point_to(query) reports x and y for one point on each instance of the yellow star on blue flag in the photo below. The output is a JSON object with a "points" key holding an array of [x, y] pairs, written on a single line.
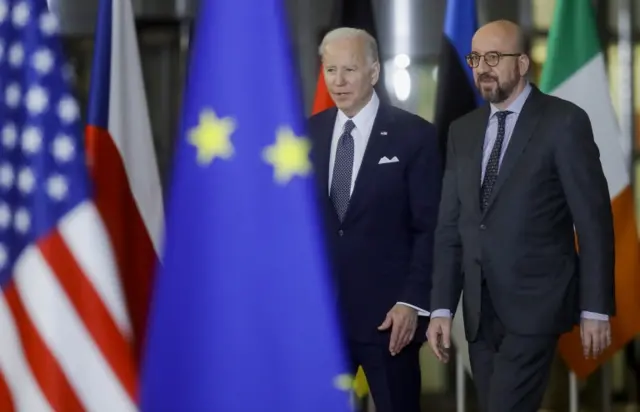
{"points": [[243, 236], [289, 156], [212, 137]]}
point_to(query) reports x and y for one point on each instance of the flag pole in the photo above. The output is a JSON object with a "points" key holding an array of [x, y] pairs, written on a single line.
{"points": [[606, 387], [461, 390], [574, 402]]}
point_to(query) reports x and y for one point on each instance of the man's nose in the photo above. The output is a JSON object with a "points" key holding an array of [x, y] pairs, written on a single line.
{"points": [[483, 67], [340, 78]]}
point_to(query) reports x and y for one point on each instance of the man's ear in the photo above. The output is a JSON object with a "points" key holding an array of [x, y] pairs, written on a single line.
{"points": [[375, 73], [524, 64]]}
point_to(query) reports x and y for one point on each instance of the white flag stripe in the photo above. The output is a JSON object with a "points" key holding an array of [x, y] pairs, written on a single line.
{"points": [[25, 392], [458, 337], [606, 130], [85, 235], [129, 124], [64, 333]]}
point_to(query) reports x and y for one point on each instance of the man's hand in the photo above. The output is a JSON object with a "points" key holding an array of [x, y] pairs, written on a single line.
{"points": [[403, 321], [596, 336], [439, 337]]}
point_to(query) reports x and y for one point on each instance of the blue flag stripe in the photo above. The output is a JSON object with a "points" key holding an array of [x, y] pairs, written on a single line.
{"points": [[461, 23]]}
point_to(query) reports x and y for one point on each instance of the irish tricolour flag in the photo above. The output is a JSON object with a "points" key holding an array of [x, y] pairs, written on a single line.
{"points": [[575, 71]]}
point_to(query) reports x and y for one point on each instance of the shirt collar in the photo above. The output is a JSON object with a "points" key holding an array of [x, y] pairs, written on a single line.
{"points": [[364, 119], [517, 105]]}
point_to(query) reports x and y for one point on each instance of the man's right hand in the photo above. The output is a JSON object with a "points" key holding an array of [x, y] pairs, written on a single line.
{"points": [[439, 337]]}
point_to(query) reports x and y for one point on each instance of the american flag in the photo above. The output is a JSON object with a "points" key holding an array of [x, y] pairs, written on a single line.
{"points": [[64, 327]]}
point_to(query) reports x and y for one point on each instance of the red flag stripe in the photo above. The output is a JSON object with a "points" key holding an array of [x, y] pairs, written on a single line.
{"points": [[46, 370], [91, 309], [6, 400], [323, 99], [132, 245]]}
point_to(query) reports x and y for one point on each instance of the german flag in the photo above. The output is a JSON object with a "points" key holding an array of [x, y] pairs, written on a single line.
{"points": [[357, 14]]}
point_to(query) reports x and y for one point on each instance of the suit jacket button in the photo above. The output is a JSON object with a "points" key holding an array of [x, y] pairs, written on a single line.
{"points": [[340, 232], [483, 227]]}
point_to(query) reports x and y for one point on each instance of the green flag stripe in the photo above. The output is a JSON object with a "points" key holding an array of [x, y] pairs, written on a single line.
{"points": [[573, 41]]}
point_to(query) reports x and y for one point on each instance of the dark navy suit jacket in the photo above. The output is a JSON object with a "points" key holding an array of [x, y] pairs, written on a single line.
{"points": [[382, 252]]}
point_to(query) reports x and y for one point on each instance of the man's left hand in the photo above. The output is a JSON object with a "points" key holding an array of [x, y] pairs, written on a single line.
{"points": [[403, 321], [596, 336]]}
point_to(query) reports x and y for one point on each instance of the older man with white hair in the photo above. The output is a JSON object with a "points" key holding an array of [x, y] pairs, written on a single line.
{"points": [[379, 175]]}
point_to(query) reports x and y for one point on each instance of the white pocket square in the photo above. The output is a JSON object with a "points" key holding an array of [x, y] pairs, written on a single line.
{"points": [[385, 159]]}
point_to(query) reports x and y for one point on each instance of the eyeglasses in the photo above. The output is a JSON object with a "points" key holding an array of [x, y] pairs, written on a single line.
{"points": [[491, 58]]}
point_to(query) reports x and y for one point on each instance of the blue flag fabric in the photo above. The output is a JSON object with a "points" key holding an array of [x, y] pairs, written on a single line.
{"points": [[456, 94], [243, 315], [460, 24]]}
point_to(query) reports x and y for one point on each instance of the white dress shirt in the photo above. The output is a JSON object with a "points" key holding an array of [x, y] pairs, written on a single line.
{"points": [[490, 137], [363, 122]]}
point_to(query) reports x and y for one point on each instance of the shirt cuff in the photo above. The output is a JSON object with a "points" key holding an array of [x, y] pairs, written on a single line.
{"points": [[421, 312], [594, 316], [441, 313]]}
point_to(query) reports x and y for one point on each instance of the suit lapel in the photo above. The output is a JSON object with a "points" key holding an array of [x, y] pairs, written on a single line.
{"points": [[475, 171], [525, 126], [323, 152], [374, 151]]}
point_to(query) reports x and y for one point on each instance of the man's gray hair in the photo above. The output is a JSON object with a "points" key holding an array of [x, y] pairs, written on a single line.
{"points": [[371, 46]]}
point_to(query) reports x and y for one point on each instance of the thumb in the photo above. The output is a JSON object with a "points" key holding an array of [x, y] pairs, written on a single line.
{"points": [[386, 324], [446, 336]]}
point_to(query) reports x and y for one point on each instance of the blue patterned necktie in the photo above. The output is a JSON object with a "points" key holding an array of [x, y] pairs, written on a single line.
{"points": [[343, 171], [493, 165]]}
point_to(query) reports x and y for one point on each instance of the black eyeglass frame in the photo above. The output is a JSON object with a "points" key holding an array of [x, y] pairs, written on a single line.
{"points": [[495, 54]]}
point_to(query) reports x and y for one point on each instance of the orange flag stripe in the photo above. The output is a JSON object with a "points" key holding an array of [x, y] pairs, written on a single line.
{"points": [[626, 324]]}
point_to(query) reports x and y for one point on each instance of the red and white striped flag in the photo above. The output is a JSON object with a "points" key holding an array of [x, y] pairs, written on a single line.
{"points": [[122, 158], [65, 333]]}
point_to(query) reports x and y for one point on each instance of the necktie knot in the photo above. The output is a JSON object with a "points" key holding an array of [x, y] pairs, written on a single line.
{"points": [[348, 127], [502, 115]]}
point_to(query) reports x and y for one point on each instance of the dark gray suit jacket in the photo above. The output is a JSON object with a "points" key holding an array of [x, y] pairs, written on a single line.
{"points": [[524, 243]]}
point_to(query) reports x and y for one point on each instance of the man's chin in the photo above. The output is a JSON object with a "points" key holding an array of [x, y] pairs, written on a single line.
{"points": [[347, 108], [488, 96]]}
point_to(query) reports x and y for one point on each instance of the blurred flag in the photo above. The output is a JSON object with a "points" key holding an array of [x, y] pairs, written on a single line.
{"points": [[64, 330], [457, 95], [243, 316], [575, 71], [122, 158], [357, 14]]}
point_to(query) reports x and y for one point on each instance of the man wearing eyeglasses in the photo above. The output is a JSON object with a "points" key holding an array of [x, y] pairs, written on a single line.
{"points": [[523, 179]]}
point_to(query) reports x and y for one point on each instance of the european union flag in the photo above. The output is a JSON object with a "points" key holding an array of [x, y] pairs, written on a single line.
{"points": [[243, 315]]}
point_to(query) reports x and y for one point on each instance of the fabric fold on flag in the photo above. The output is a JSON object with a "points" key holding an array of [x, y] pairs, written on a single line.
{"points": [[122, 158], [64, 331], [575, 71], [243, 298]]}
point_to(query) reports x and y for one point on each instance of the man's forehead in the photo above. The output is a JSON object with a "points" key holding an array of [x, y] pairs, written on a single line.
{"points": [[483, 44]]}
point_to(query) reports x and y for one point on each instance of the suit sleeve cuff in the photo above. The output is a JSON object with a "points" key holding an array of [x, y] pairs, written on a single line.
{"points": [[441, 313], [421, 312], [594, 316]]}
